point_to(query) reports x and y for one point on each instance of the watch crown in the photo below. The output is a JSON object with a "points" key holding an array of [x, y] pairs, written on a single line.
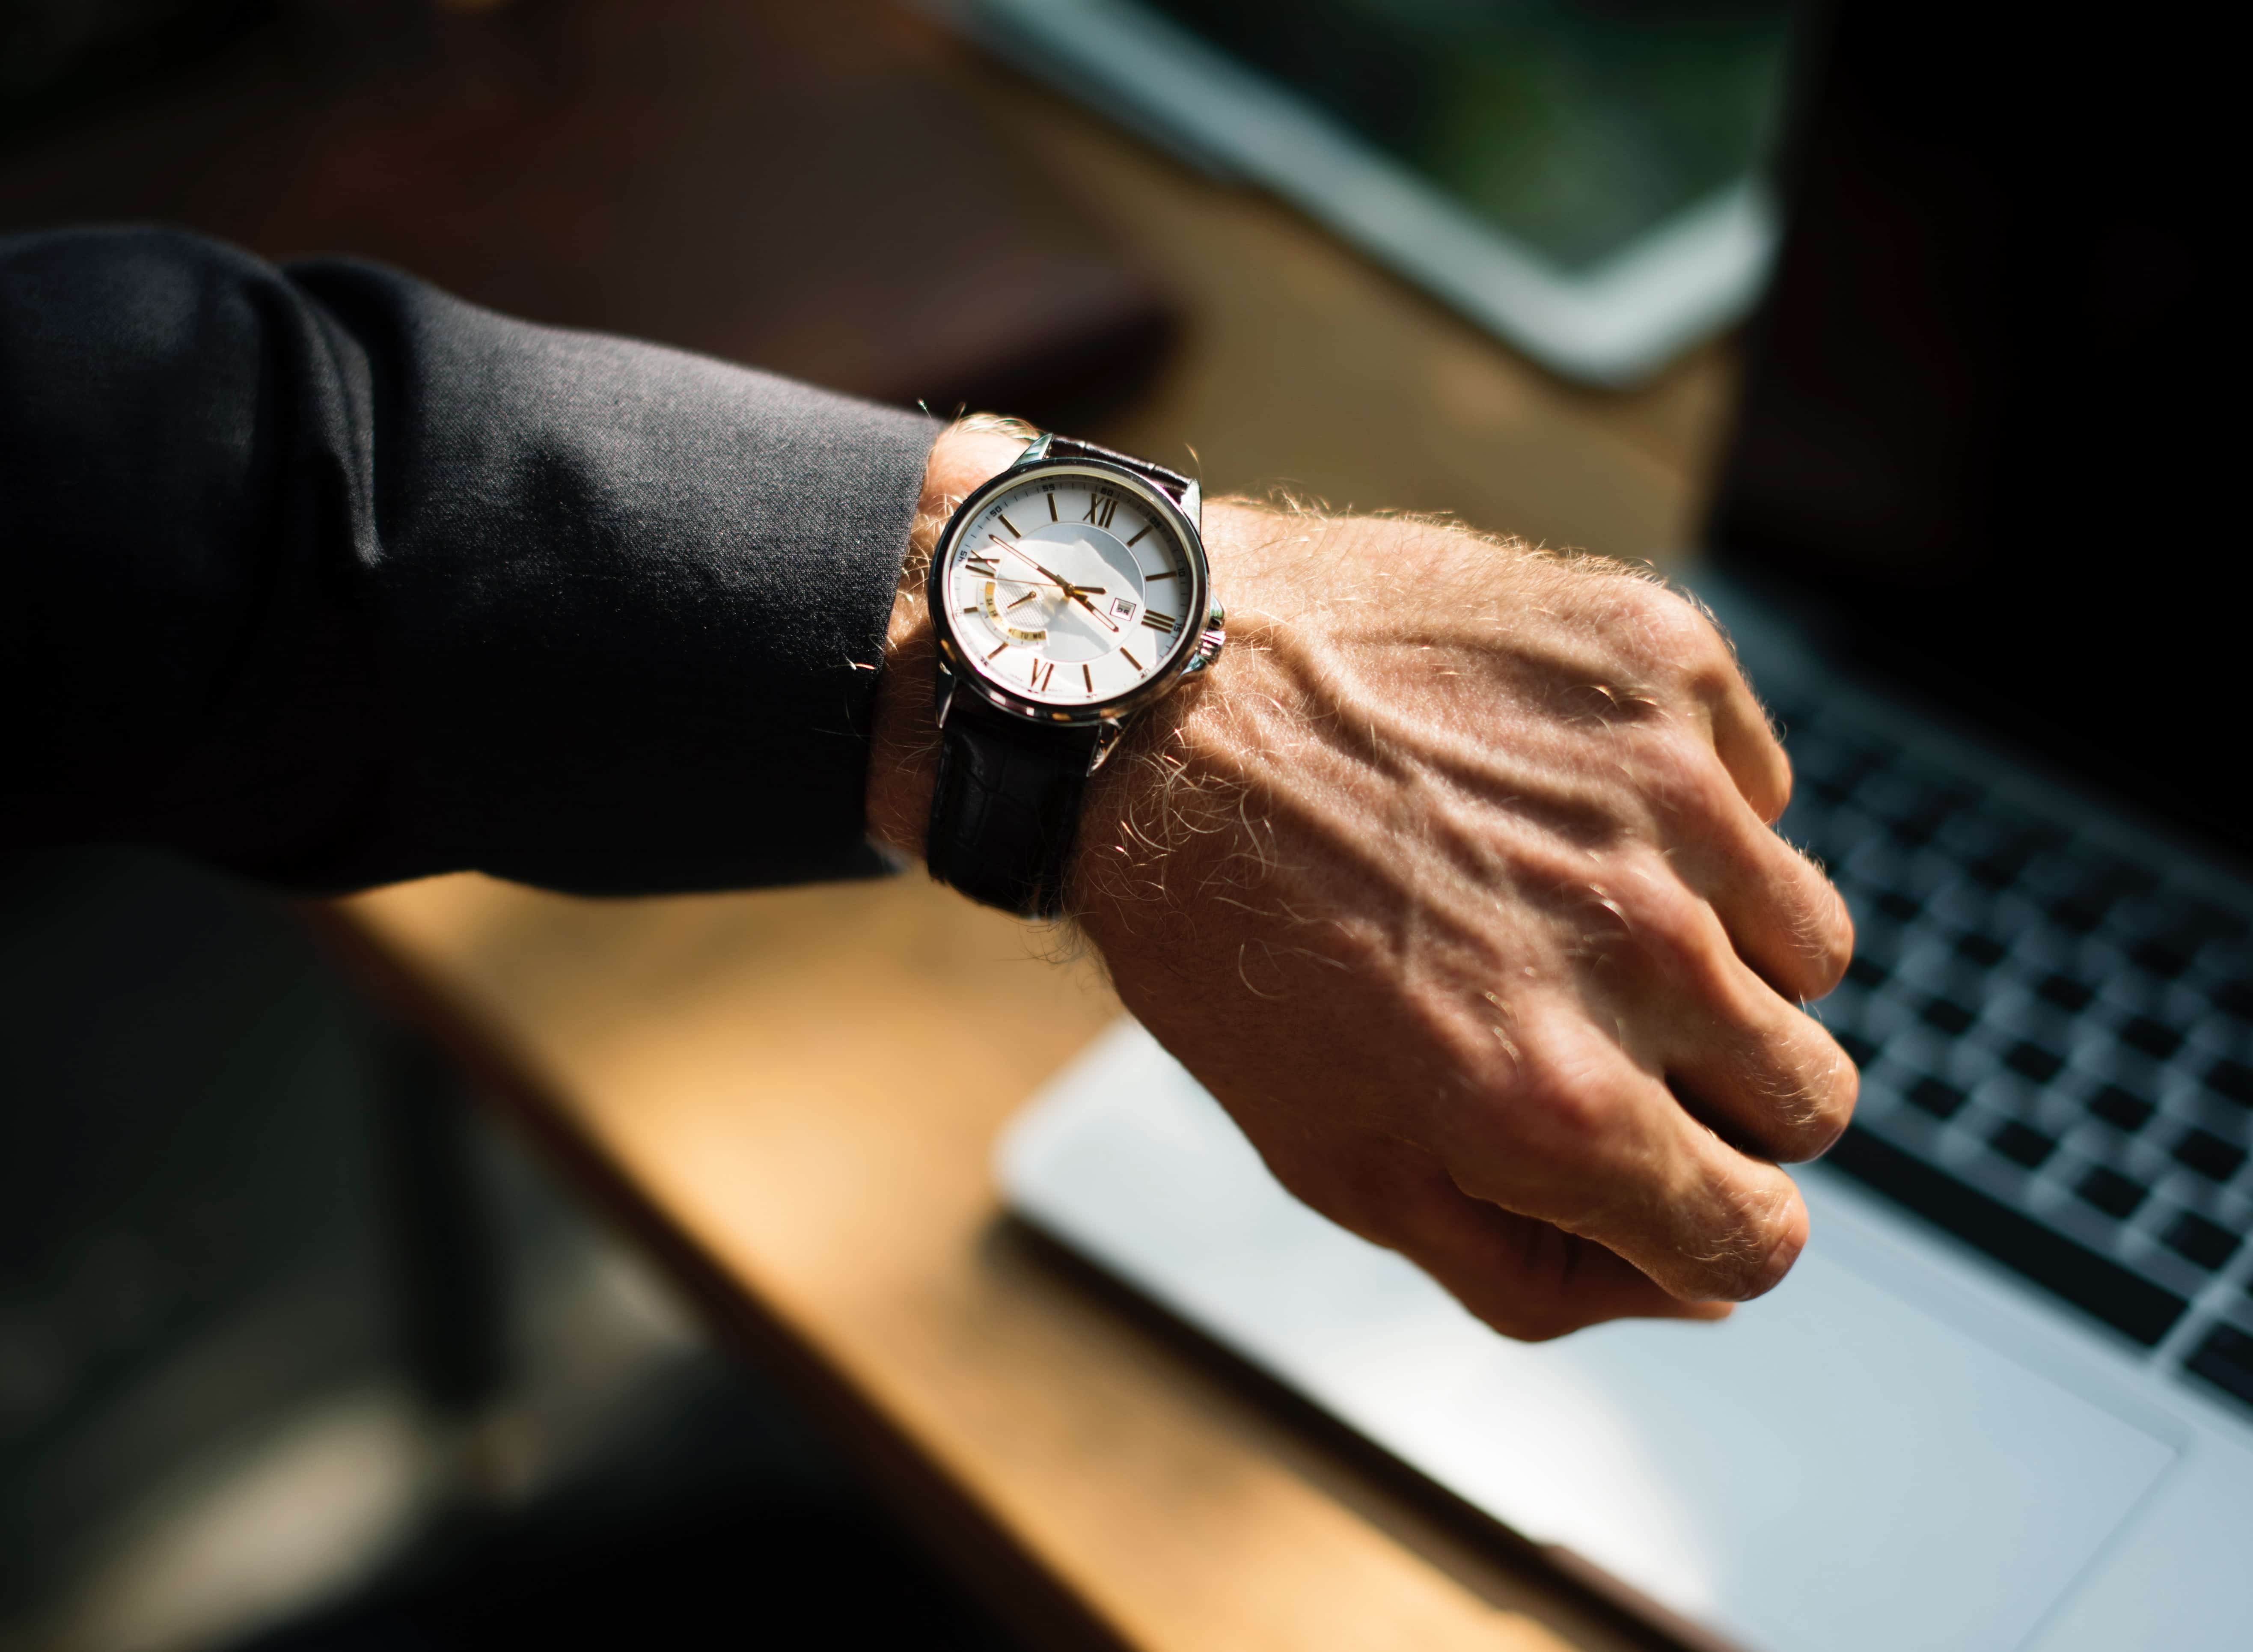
{"points": [[1212, 641]]}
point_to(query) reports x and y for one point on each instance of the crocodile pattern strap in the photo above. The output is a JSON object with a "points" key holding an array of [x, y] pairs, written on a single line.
{"points": [[1172, 483], [1005, 808]]}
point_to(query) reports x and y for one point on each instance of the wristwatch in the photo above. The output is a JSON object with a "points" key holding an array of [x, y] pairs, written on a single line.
{"points": [[1067, 594]]}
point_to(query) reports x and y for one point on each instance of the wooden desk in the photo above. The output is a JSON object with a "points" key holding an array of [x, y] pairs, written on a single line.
{"points": [[791, 1096]]}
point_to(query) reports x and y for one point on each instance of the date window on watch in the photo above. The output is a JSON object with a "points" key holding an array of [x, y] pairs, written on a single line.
{"points": [[1124, 609]]}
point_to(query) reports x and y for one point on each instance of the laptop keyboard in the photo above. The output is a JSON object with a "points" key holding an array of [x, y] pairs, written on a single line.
{"points": [[2057, 1039]]}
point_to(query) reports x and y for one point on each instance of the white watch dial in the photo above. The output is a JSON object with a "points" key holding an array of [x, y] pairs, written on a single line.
{"points": [[1067, 588]]}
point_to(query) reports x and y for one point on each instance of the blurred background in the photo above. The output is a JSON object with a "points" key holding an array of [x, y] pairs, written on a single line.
{"points": [[297, 1346]]}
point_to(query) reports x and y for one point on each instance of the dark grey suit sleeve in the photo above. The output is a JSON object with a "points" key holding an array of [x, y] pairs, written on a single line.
{"points": [[323, 576]]}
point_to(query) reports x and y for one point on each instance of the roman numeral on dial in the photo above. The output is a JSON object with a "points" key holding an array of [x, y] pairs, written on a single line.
{"points": [[985, 565], [1042, 670], [1101, 510], [1164, 623]]}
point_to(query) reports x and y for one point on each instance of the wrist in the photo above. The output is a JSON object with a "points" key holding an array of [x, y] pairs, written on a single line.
{"points": [[1166, 818], [903, 756]]}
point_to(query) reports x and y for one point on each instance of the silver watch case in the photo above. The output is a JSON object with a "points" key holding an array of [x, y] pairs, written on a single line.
{"points": [[1193, 651]]}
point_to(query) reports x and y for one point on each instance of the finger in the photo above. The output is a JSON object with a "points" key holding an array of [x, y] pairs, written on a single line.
{"points": [[1781, 914], [1748, 748], [1523, 1277], [1755, 1065], [1761, 1071], [1530, 1280], [1589, 1141]]}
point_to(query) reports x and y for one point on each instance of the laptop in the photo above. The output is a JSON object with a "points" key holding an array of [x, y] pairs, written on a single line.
{"points": [[1972, 539]]}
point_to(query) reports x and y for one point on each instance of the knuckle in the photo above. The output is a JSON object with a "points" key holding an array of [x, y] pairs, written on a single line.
{"points": [[1567, 1099], [1680, 635], [1766, 1231], [1835, 1086], [1682, 779], [1831, 944], [1786, 782], [1675, 928], [1785, 1237], [1804, 1088]]}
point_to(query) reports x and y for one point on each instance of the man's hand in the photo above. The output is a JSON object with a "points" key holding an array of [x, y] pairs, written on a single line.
{"points": [[1454, 882]]}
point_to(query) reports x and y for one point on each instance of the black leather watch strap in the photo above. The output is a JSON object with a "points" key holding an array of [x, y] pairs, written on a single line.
{"points": [[1172, 483], [1005, 810]]}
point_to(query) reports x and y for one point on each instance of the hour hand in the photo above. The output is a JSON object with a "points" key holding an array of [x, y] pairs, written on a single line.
{"points": [[1075, 589]]}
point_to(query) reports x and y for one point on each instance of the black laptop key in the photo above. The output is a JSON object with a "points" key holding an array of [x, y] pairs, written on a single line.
{"points": [[2209, 1155], [1936, 1096], [2123, 1109], [2155, 1039], [2030, 1059], [1984, 950], [2005, 861], [1902, 908], [2232, 1081], [2023, 1145], [1995, 871], [2224, 1357], [2205, 1243], [1881, 945], [2111, 1193], [2209, 922], [1866, 971], [2163, 956], [1835, 767], [1860, 1051], [2096, 1285], [1914, 810], [2093, 898], [2062, 991], [2172, 946], [1919, 823], [1948, 1016]]}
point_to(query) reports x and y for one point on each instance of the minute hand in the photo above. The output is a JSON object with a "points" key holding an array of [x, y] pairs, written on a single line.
{"points": [[1076, 592]]}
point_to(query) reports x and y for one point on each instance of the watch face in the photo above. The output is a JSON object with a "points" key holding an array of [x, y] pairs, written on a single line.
{"points": [[1070, 587]]}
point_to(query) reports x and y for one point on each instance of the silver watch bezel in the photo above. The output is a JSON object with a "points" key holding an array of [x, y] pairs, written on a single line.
{"points": [[958, 671]]}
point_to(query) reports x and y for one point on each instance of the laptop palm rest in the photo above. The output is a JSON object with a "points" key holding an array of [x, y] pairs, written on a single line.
{"points": [[1833, 1468]]}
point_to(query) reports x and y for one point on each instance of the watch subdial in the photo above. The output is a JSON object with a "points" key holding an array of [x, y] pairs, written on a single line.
{"points": [[1021, 613]]}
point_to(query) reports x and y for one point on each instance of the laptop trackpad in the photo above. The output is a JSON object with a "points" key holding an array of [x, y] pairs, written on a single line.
{"points": [[1832, 1469]]}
